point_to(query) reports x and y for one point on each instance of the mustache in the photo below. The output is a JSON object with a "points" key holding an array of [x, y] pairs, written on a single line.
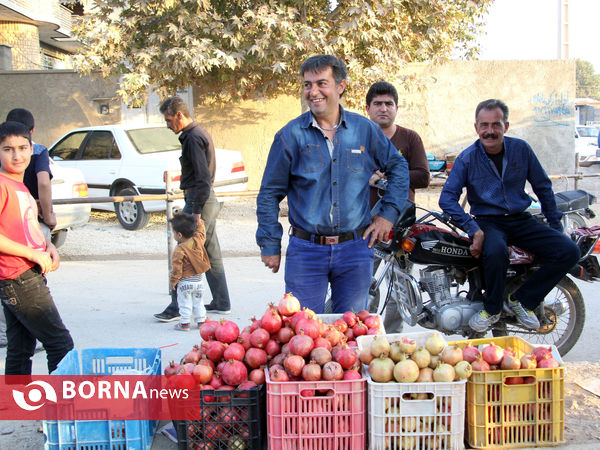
{"points": [[490, 136]]}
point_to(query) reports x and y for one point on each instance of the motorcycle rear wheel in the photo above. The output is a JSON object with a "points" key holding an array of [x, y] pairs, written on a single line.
{"points": [[562, 330]]}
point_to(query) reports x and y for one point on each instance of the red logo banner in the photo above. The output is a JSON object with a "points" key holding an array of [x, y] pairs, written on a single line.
{"points": [[103, 397]]}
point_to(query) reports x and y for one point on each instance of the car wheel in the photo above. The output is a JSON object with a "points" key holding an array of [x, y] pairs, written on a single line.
{"points": [[131, 215], [59, 238]]}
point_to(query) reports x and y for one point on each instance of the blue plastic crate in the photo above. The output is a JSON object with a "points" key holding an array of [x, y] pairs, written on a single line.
{"points": [[94, 431]]}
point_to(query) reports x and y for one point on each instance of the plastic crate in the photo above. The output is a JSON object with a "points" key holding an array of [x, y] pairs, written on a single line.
{"points": [[92, 431], [515, 415], [230, 420], [332, 419], [415, 415]]}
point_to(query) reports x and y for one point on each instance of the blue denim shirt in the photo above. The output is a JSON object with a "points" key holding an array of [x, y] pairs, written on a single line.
{"points": [[327, 195], [488, 194]]}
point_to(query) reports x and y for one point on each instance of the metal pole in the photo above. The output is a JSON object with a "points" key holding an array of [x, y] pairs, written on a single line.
{"points": [[170, 239], [576, 180]]}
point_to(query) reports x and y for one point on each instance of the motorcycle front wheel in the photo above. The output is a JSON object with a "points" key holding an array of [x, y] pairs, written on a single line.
{"points": [[562, 321]]}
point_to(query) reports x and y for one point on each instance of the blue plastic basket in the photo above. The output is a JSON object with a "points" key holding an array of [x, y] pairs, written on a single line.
{"points": [[95, 432]]}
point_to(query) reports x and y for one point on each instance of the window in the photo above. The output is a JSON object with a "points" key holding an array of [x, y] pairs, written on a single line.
{"points": [[67, 148], [98, 146]]}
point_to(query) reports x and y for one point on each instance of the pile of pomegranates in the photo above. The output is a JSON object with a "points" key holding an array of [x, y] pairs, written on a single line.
{"points": [[404, 361], [494, 357]]}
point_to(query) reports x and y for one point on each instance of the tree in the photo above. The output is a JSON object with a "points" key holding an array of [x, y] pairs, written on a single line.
{"points": [[239, 49], [588, 82]]}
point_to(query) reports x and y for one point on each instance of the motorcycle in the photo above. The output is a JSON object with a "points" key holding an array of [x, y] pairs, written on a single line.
{"points": [[452, 278]]}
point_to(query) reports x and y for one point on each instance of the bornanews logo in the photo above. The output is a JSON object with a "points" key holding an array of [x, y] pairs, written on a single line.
{"points": [[57, 397]]}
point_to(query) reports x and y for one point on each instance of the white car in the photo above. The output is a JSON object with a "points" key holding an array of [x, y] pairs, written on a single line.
{"points": [[133, 160], [586, 144], [68, 183]]}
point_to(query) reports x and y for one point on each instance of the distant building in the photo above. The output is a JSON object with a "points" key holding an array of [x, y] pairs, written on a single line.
{"points": [[36, 34]]}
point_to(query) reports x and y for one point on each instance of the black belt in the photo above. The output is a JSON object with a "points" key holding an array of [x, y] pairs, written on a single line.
{"points": [[328, 240]]}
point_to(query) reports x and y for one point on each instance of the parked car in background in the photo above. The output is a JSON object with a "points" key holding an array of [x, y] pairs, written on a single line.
{"points": [[133, 160], [586, 144], [68, 183]]}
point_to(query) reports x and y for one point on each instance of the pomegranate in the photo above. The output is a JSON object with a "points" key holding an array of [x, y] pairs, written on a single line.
{"points": [[285, 348], [244, 339], [235, 350], [301, 345], [540, 352], [320, 355], [548, 362], [492, 354], [349, 334], [363, 314], [220, 366], [510, 362], [183, 381], [351, 375], [276, 367], [333, 335], [470, 353], [288, 305], [206, 362], [171, 369], [322, 342], [245, 385], [435, 344], [406, 371], [278, 359], [255, 357], [311, 372], [381, 369], [444, 373], [374, 331], [293, 364], [202, 373], [340, 325], [346, 357], [452, 355], [379, 346], [259, 338], [365, 356], [216, 381], [435, 360], [193, 356], [227, 331], [396, 351], [350, 318], [407, 345], [207, 329], [372, 322], [463, 370], [271, 320], [279, 375], [480, 365], [254, 324], [309, 327], [425, 375], [332, 371], [272, 347], [257, 375], [528, 361], [304, 313], [360, 329], [422, 357], [234, 372], [284, 335], [513, 380], [215, 350]]}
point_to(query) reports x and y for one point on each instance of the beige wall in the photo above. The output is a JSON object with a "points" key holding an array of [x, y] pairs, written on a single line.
{"points": [[59, 100], [439, 105]]}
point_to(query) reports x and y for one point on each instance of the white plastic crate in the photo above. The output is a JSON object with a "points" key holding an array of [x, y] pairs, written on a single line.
{"points": [[420, 338]]}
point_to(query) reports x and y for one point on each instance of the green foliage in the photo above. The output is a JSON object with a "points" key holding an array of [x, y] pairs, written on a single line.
{"points": [[240, 49], [588, 82]]}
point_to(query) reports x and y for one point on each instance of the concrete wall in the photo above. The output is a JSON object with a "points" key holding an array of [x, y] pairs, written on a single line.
{"points": [[59, 100], [439, 104]]}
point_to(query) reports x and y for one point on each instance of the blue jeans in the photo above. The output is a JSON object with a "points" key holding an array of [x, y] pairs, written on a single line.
{"points": [[347, 267], [217, 282], [556, 250], [31, 314]]}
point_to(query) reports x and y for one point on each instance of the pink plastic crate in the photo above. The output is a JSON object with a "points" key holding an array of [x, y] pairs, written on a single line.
{"points": [[332, 419]]}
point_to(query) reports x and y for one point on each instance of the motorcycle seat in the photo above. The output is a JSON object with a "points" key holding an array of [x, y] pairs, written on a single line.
{"points": [[572, 200]]}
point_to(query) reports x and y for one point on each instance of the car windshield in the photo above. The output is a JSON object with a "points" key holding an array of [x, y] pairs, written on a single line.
{"points": [[154, 140], [587, 132]]}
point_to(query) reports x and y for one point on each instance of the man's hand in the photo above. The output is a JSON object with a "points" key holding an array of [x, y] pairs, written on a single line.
{"points": [[272, 262], [50, 220], [51, 249], [376, 177], [42, 259], [379, 229], [477, 244]]}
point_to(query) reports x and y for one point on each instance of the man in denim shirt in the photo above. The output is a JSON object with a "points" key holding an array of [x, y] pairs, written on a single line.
{"points": [[322, 161], [494, 170]]}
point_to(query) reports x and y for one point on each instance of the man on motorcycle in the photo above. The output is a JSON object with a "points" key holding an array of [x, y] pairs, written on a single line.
{"points": [[494, 171]]}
